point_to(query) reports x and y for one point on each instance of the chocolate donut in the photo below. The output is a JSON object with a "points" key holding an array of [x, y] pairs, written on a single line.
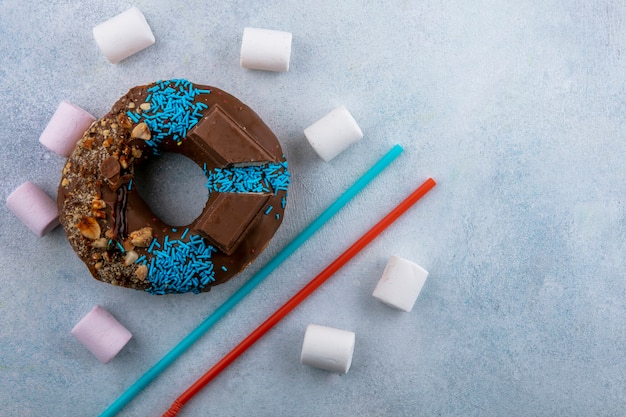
{"points": [[113, 230]]}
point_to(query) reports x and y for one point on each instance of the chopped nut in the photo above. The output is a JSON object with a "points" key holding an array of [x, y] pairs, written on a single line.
{"points": [[64, 182], [109, 234], [130, 257], [99, 214], [141, 131], [66, 168], [106, 133], [141, 237], [144, 106], [88, 143], [131, 105], [107, 142], [128, 245], [98, 204], [100, 243], [89, 227], [136, 153], [124, 120], [141, 272], [95, 256], [98, 265], [124, 162]]}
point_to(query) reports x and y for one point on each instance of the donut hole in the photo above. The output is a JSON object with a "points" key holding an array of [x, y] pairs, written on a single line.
{"points": [[174, 187]]}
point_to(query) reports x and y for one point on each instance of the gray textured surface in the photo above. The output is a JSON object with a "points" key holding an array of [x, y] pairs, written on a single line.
{"points": [[516, 108]]}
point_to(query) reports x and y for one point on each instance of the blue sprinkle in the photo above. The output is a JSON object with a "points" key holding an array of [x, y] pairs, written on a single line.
{"points": [[152, 245], [134, 116], [172, 110], [119, 245], [224, 268], [271, 177], [177, 267], [269, 209]]}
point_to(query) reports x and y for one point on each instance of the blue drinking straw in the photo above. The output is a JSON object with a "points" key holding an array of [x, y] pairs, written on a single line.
{"points": [[240, 294]]}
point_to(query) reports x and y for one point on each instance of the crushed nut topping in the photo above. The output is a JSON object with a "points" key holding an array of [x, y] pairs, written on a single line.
{"points": [[141, 272], [130, 257], [89, 227], [141, 237], [141, 131]]}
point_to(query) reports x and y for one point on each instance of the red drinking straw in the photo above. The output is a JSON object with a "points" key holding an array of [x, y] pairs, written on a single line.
{"points": [[307, 290]]}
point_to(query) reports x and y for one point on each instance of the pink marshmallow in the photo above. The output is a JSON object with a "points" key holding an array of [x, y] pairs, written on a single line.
{"points": [[102, 334], [34, 208], [67, 126]]}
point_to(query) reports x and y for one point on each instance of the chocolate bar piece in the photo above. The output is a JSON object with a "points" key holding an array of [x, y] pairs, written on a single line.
{"points": [[229, 217], [226, 142]]}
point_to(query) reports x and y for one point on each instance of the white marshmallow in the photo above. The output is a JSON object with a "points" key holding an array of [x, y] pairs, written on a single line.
{"points": [[65, 128], [34, 208], [123, 35], [102, 334], [333, 133], [327, 348], [264, 49], [400, 284]]}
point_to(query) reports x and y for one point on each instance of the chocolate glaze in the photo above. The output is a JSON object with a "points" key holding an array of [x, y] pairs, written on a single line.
{"points": [[97, 182]]}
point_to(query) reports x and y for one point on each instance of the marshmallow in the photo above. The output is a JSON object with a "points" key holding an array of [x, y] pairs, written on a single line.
{"points": [[66, 127], [333, 133], [327, 348], [34, 208], [264, 49], [123, 35], [102, 334], [400, 284]]}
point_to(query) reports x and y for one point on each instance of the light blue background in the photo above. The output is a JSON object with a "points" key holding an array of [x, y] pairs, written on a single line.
{"points": [[516, 109]]}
